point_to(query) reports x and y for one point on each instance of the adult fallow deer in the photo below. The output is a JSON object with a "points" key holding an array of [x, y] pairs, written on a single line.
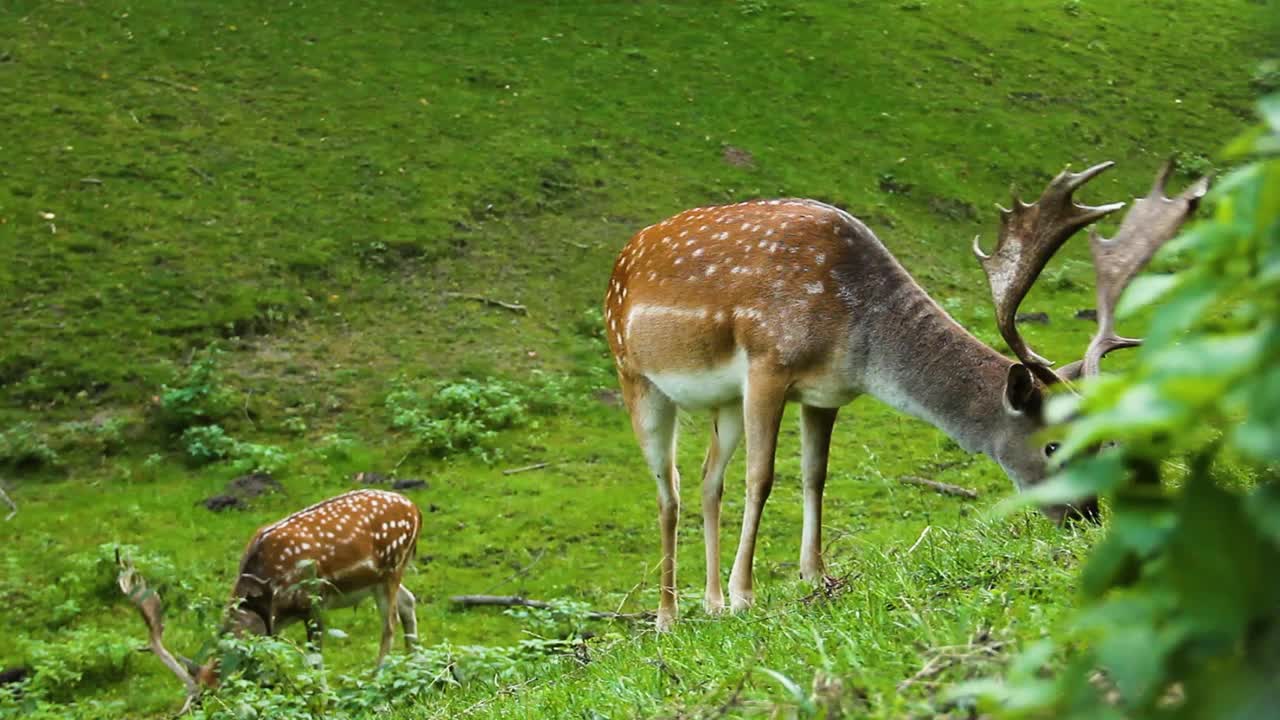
{"points": [[739, 309], [332, 554]]}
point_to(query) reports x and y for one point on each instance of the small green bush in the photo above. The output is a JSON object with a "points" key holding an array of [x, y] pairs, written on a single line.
{"points": [[99, 438], [22, 447], [78, 658], [196, 395], [207, 443], [210, 443], [271, 677]]}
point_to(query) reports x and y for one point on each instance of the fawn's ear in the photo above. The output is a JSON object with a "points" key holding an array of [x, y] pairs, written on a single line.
{"points": [[251, 586], [1021, 393]]}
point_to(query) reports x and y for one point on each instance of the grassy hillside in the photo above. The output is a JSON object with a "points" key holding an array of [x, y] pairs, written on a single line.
{"points": [[309, 186]]}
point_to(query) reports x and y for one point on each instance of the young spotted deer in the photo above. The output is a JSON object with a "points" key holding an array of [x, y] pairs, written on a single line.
{"points": [[332, 554], [739, 309]]}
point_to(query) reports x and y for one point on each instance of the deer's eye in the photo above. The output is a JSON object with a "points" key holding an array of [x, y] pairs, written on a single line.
{"points": [[1050, 449]]}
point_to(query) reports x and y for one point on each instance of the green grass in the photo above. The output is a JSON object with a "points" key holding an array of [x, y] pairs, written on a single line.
{"points": [[305, 184]]}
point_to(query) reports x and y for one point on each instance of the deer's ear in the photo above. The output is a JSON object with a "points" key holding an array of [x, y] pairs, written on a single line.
{"points": [[1021, 394], [251, 586]]}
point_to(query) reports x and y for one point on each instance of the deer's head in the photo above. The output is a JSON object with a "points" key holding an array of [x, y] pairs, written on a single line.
{"points": [[1029, 236]]}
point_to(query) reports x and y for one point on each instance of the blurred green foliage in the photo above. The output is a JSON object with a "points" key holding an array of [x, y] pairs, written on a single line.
{"points": [[1181, 612]]}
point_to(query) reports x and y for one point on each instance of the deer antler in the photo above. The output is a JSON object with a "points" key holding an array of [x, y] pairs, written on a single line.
{"points": [[1149, 224], [1029, 236], [148, 603]]}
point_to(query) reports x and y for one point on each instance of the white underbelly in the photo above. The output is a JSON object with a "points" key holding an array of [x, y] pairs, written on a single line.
{"points": [[705, 388]]}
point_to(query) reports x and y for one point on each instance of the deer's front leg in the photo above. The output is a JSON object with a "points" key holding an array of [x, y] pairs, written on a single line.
{"points": [[815, 446], [762, 412]]}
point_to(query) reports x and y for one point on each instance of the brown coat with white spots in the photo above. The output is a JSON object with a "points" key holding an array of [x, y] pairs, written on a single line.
{"points": [[332, 554], [739, 309]]}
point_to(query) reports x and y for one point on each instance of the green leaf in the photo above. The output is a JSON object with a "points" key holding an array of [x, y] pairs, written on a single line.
{"points": [[1135, 659], [1223, 570], [1143, 291], [1113, 563], [1183, 308], [1269, 109], [1258, 436], [1263, 507], [1243, 144], [1082, 478], [1144, 524], [793, 689]]}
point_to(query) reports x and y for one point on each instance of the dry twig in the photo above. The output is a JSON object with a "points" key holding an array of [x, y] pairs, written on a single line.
{"points": [[513, 307], [9, 501], [941, 487], [535, 466], [170, 83], [517, 601]]}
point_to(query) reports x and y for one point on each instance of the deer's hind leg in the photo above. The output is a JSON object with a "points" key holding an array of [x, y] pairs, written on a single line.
{"points": [[653, 419], [386, 597], [762, 408], [726, 432], [405, 604]]}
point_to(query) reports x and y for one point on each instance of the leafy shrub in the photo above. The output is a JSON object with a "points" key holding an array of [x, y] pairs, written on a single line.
{"points": [[563, 618], [1192, 164], [1181, 611], [101, 438], [84, 579], [336, 447], [207, 443], [210, 443], [253, 457], [78, 658], [197, 395], [295, 425], [466, 415], [271, 677], [23, 447]]}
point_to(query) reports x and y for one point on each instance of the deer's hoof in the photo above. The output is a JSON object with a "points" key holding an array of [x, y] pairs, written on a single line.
{"points": [[666, 621], [713, 604], [741, 602]]}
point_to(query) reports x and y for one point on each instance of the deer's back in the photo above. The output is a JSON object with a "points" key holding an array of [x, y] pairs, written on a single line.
{"points": [[352, 542], [705, 292]]}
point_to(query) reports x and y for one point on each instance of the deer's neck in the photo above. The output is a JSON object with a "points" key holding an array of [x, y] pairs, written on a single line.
{"points": [[922, 362]]}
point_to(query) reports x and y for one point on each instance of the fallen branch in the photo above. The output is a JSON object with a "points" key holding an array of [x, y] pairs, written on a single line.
{"points": [[513, 307], [535, 466], [9, 501], [941, 487], [204, 176], [517, 601]]}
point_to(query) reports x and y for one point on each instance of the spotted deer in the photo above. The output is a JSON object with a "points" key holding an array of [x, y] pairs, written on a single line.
{"points": [[332, 554], [739, 309]]}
